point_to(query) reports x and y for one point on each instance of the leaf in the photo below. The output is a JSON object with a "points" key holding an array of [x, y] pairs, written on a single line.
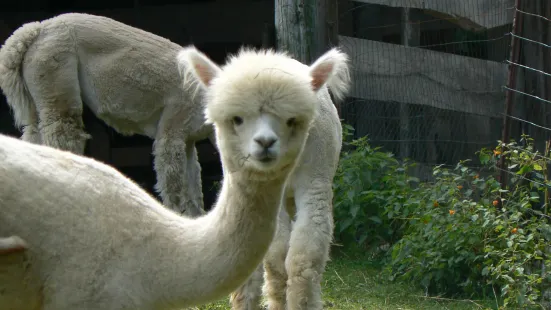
{"points": [[354, 210], [363, 238], [485, 271], [537, 167], [376, 219], [350, 194], [508, 278], [525, 169], [484, 158], [345, 224], [348, 127], [509, 243]]}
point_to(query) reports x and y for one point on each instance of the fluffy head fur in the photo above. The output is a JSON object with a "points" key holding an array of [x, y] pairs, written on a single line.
{"points": [[262, 102]]}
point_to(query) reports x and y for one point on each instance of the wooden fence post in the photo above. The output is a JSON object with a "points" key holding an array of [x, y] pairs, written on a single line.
{"points": [[306, 28]]}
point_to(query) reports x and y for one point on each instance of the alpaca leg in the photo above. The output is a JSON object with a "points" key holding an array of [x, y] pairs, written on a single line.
{"points": [[275, 284], [193, 189], [178, 173], [31, 134], [63, 131], [309, 245], [55, 88], [247, 296]]}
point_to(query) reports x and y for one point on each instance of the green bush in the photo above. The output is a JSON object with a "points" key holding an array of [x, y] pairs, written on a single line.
{"points": [[443, 247], [469, 236], [370, 187], [461, 234]]}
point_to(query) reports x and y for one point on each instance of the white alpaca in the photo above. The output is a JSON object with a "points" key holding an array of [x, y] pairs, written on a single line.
{"points": [[77, 234], [296, 260], [126, 76]]}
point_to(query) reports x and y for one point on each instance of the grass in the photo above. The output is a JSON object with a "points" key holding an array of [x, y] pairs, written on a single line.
{"points": [[353, 281]]}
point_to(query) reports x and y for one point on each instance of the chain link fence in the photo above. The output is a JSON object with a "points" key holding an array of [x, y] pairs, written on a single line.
{"points": [[428, 76]]}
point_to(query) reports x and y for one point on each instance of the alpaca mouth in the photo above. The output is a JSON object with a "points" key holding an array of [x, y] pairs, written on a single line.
{"points": [[266, 159]]}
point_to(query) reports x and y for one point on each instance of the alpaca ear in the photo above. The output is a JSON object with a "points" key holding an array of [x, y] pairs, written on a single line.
{"points": [[195, 66], [331, 68]]}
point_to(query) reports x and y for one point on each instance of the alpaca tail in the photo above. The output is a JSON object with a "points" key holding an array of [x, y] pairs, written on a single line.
{"points": [[12, 55]]}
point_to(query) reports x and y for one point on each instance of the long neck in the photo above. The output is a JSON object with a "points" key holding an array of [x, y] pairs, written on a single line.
{"points": [[220, 250], [244, 226]]}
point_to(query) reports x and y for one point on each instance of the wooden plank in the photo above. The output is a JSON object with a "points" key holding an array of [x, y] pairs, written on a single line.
{"points": [[470, 14], [389, 72]]}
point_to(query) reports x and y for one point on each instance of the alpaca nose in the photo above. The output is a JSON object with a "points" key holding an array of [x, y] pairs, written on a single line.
{"points": [[265, 142]]}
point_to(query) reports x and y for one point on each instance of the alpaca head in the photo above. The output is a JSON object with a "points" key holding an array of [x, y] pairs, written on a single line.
{"points": [[262, 104]]}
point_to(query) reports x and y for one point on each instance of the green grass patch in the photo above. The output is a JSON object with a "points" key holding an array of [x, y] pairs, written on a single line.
{"points": [[354, 281]]}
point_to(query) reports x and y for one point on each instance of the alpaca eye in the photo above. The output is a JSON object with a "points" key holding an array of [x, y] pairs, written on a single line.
{"points": [[291, 122], [237, 120]]}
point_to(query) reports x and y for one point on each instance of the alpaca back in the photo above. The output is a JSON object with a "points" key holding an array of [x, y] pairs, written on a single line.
{"points": [[126, 76]]}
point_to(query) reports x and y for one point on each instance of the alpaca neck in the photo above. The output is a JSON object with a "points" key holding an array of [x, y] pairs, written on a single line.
{"points": [[227, 244], [245, 226]]}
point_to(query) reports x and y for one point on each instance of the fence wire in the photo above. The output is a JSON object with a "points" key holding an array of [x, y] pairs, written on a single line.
{"points": [[428, 77], [532, 92], [530, 83]]}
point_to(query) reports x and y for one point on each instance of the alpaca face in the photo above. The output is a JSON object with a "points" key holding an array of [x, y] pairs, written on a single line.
{"points": [[262, 103], [263, 117], [261, 137], [264, 140]]}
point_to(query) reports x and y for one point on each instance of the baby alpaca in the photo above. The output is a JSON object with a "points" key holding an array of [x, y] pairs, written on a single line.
{"points": [[126, 76], [296, 260], [86, 237]]}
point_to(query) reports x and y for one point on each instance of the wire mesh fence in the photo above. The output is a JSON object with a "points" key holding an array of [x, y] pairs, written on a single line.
{"points": [[428, 76], [531, 87]]}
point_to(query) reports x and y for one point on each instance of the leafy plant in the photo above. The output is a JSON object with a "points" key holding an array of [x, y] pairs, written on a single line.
{"points": [[470, 236], [462, 234], [370, 187], [443, 247]]}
